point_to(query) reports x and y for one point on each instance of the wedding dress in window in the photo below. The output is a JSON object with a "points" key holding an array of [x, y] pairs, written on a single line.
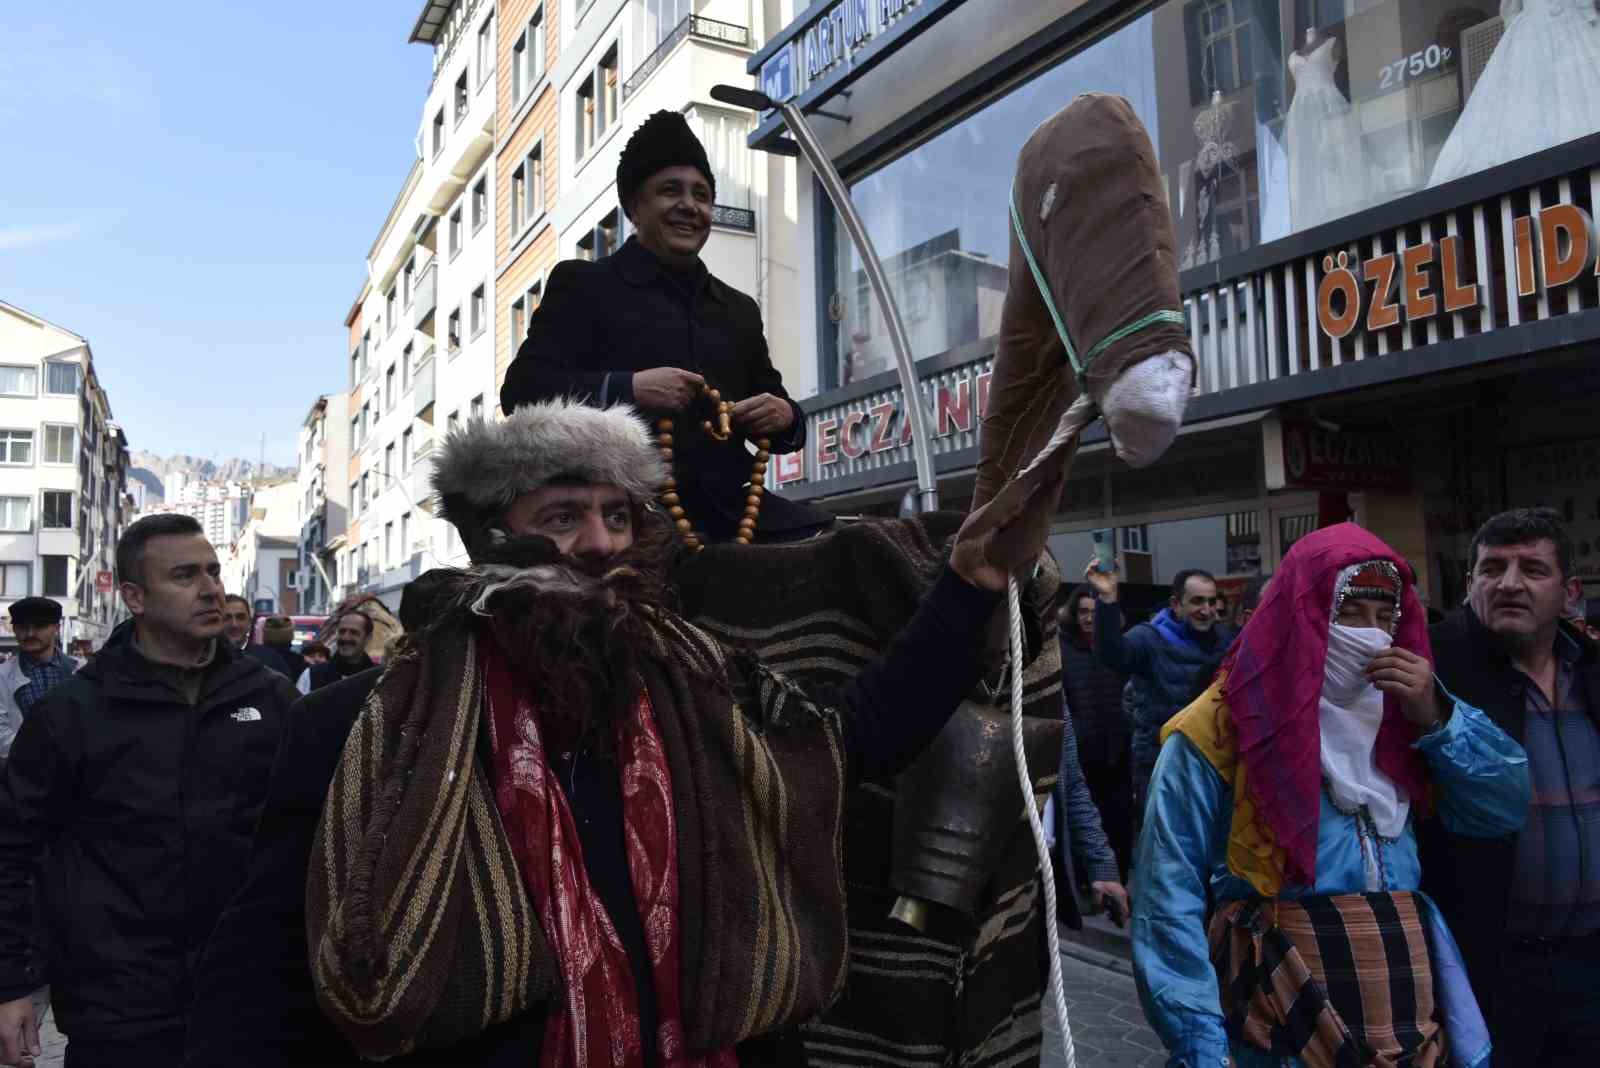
{"points": [[1540, 88], [1327, 162]]}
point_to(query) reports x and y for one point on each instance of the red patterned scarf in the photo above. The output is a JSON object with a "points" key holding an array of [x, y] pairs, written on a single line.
{"points": [[597, 1025]]}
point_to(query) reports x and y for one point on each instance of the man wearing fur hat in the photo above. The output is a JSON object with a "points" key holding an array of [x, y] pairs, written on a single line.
{"points": [[651, 327], [570, 828]]}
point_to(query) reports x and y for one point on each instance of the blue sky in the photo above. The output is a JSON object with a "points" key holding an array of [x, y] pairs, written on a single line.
{"points": [[193, 187]]}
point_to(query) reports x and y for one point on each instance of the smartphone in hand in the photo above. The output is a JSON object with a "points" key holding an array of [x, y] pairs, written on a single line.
{"points": [[1105, 550]]}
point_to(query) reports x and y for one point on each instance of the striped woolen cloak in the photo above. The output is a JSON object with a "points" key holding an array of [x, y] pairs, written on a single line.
{"points": [[420, 930]]}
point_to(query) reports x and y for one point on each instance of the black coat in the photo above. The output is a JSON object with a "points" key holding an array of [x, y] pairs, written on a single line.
{"points": [[1470, 878], [1094, 699], [144, 807], [271, 659], [256, 1007], [332, 670], [599, 323]]}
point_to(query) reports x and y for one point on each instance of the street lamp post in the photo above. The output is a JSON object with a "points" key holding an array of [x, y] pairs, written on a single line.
{"points": [[839, 195]]}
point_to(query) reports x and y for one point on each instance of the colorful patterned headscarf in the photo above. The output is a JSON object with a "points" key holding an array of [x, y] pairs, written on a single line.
{"points": [[1273, 679]]}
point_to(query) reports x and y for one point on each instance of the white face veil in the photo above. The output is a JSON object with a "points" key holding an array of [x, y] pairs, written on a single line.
{"points": [[1351, 708]]}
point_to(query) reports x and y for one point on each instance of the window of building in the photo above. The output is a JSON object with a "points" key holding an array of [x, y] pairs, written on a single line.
{"points": [[583, 114], [366, 487], [477, 308], [531, 298], [452, 422], [16, 447], [16, 514], [486, 50], [725, 135], [519, 322], [355, 497], [1219, 47], [13, 580], [461, 97], [60, 444], [527, 56], [388, 544], [366, 421], [527, 189], [388, 309], [19, 381], [452, 341], [388, 389], [405, 534], [61, 378], [438, 132], [607, 90], [388, 461], [355, 368], [480, 203], [405, 451], [355, 431], [602, 240], [408, 277], [57, 510], [455, 232], [406, 356], [55, 576], [477, 408]]}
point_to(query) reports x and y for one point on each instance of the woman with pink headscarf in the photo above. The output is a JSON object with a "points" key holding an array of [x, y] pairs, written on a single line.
{"points": [[1286, 796]]}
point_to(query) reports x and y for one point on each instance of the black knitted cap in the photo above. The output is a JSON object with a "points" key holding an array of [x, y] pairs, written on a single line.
{"points": [[663, 140]]}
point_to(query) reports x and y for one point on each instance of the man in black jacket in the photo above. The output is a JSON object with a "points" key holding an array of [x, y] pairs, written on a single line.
{"points": [[651, 327], [512, 490], [1526, 909], [1093, 696], [137, 782]]}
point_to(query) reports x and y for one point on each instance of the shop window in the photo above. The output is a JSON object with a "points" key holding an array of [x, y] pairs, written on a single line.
{"points": [[1267, 118]]}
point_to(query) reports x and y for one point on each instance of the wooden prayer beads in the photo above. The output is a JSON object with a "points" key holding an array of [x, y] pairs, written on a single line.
{"points": [[720, 430]]}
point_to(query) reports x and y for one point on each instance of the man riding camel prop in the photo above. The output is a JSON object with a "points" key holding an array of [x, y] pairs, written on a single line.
{"points": [[569, 827]]}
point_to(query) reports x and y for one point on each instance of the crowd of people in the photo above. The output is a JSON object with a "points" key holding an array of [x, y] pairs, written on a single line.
{"points": [[563, 824]]}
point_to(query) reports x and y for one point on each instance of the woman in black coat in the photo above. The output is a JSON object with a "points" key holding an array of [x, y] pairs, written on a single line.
{"points": [[650, 326]]}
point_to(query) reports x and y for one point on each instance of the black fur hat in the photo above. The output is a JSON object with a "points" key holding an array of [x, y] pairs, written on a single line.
{"points": [[663, 140]]}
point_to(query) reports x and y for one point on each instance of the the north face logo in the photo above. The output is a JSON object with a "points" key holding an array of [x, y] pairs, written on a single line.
{"points": [[246, 715]]}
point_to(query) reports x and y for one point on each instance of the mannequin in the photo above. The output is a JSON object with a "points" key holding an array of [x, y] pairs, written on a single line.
{"points": [[1328, 173], [1540, 88]]}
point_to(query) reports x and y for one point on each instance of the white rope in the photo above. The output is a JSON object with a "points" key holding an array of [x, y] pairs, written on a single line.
{"points": [[1052, 934]]}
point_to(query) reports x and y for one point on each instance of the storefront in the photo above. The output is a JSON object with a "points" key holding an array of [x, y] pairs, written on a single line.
{"points": [[1384, 210]]}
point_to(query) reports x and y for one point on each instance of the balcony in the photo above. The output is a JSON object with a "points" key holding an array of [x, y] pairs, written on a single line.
{"points": [[724, 33], [420, 477], [425, 297], [422, 385]]}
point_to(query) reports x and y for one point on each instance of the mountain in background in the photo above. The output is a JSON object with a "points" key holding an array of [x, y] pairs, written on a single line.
{"points": [[152, 470]]}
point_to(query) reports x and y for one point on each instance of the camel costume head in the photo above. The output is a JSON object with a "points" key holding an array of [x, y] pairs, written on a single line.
{"points": [[1092, 319]]}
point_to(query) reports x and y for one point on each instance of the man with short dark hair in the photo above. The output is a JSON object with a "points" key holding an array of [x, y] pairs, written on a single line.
{"points": [[1174, 655], [277, 635], [350, 636], [1526, 907], [39, 666], [130, 796], [237, 624]]}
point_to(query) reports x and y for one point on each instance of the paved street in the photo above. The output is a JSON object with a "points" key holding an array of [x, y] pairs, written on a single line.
{"points": [[1108, 1027]]}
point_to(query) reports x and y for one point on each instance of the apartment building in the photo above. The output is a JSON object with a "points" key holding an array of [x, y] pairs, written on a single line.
{"points": [[422, 328], [526, 175], [262, 564], [63, 478], [575, 78], [322, 463]]}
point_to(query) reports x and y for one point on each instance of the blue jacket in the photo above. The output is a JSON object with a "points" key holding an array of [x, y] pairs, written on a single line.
{"points": [[1482, 780], [1175, 663]]}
